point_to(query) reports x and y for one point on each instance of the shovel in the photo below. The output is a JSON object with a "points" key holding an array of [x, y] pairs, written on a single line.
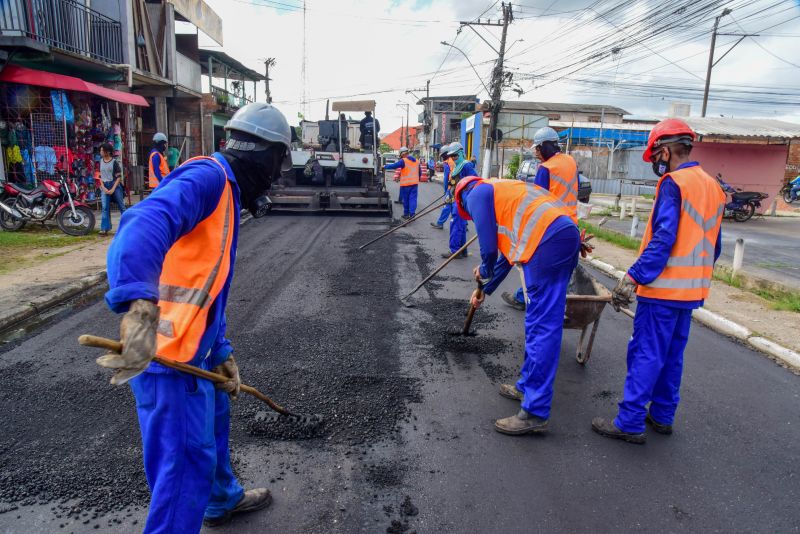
{"points": [[470, 315], [116, 346]]}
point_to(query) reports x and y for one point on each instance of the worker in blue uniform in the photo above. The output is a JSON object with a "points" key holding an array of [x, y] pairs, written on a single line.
{"points": [[530, 228], [175, 307], [462, 168], [446, 209], [671, 277], [410, 174]]}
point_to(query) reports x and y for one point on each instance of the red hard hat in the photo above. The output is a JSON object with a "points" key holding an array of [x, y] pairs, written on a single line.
{"points": [[672, 128], [459, 189]]}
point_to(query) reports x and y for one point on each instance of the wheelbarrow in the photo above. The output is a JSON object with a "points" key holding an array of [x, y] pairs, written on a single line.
{"points": [[586, 298]]}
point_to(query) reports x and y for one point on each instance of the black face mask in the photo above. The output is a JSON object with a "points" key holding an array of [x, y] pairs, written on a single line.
{"points": [[660, 167], [254, 172]]}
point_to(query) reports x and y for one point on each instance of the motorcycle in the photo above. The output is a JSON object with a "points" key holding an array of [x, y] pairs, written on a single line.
{"points": [[50, 199], [743, 204], [786, 192]]}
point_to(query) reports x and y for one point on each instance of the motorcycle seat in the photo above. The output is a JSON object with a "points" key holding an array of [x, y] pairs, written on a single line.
{"points": [[24, 189], [746, 195]]}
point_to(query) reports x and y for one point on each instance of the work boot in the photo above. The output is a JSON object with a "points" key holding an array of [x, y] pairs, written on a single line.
{"points": [[512, 301], [252, 500], [406, 217], [609, 429], [437, 225], [658, 427], [522, 423], [510, 391], [398, 201]]}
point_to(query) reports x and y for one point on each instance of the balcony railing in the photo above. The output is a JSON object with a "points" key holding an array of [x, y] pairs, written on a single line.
{"points": [[63, 24], [228, 101]]}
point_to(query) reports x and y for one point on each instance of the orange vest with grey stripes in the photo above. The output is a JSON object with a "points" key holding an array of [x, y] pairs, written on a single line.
{"points": [[409, 174], [687, 275], [192, 276], [524, 212], [564, 181]]}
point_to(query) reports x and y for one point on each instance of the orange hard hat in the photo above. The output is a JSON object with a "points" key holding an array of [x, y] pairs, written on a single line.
{"points": [[666, 131], [462, 211]]}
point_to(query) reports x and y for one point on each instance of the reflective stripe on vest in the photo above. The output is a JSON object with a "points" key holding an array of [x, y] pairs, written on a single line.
{"points": [[524, 212], [152, 180], [409, 175], [687, 276], [193, 274], [564, 181]]}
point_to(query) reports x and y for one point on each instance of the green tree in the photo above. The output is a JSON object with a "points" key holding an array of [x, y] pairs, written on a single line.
{"points": [[513, 166], [384, 148]]}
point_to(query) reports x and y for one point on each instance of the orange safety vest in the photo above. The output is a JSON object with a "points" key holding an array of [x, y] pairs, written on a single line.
{"points": [[409, 175], [687, 275], [564, 181], [193, 274], [524, 212], [164, 168]]}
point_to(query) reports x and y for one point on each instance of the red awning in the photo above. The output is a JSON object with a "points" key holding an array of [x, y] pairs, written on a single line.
{"points": [[22, 75]]}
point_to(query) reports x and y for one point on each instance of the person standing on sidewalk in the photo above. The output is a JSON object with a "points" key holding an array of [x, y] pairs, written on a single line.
{"points": [[110, 186], [158, 160], [170, 268], [460, 168], [671, 278], [410, 174], [446, 209], [558, 173], [524, 225]]}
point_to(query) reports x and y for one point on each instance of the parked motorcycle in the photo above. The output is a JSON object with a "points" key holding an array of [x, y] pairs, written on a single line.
{"points": [[743, 204], [786, 192], [50, 199]]}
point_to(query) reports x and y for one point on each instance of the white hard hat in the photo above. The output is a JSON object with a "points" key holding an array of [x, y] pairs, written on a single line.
{"points": [[444, 150], [454, 148], [157, 138], [544, 134], [266, 122], [403, 149]]}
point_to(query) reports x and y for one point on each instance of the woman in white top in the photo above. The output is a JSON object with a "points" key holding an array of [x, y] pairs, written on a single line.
{"points": [[110, 185]]}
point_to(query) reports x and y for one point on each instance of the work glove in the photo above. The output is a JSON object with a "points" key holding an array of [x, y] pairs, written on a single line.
{"points": [[137, 332], [229, 369], [622, 295], [586, 248], [477, 298]]}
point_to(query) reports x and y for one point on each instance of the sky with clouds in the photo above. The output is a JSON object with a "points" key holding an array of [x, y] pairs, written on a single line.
{"points": [[638, 55]]}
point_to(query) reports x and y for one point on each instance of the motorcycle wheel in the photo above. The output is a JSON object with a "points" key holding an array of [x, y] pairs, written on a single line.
{"points": [[10, 223], [787, 196], [744, 213], [81, 224]]}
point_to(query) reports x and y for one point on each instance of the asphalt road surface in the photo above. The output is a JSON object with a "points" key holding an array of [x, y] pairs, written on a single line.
{"points": [[772, 245], [408, 443]]}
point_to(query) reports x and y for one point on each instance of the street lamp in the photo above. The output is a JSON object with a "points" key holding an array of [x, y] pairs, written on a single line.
{"points": [[725, 11], [445, 43]]}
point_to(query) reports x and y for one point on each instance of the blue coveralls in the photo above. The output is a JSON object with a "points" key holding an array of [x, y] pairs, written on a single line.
{"points": [[795, 188], [542, 179], [449, 206], [157, 164], [184, 421], [408, 193], [458, 226], [660, 327], [547, 276]]}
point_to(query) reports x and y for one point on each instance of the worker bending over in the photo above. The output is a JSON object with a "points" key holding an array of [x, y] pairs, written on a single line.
{"points": [[530, 228], [159, 168], [460, 168], [671, 278], [170, 268], [558, 173], [409, 181], [448, 207]]}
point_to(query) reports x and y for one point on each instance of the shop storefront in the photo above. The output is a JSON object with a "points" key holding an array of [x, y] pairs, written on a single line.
{"points": [[52, 123]]}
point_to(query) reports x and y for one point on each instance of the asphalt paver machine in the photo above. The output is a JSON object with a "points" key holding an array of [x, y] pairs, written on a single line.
{"points": [[331, 170]]}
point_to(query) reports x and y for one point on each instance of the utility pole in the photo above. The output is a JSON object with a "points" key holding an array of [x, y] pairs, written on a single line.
{"points": [[498, 79], [725, 11], [407, 138], [269, 62], [426, 122]]}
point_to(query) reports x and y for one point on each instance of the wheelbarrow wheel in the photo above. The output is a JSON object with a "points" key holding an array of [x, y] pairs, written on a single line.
{"points": [[582, 355]]}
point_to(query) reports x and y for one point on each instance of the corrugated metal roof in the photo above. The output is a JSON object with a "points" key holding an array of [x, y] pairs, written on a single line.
{"points": [[556, 107], [724, 126], [630, 126]]}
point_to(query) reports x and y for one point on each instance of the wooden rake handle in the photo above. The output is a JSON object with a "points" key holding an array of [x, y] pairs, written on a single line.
{"points": [[115, 346]]}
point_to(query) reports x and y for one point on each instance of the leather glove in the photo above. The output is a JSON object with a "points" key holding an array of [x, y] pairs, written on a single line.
{"points": [[586, 248], [231, 370], [622, 295], [137, 332], [477, 298]]}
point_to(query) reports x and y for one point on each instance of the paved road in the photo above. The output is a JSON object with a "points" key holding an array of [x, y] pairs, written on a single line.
{"points": [[772, 245], [408, 410]]}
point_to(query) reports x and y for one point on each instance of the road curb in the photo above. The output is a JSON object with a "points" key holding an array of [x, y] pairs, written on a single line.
{"points": [[9, 319], [724, 326]]}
